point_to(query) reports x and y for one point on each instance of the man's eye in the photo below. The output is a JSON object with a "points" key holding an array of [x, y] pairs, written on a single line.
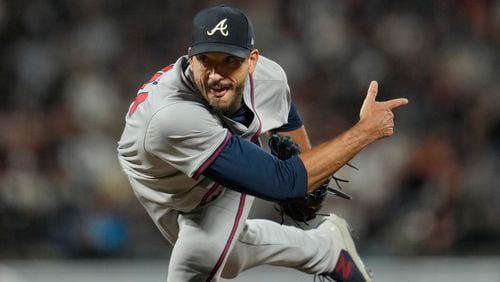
{"points": [[233, 61], [203, 59]]}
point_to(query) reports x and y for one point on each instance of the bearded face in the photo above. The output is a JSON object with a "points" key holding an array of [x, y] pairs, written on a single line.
{"points": [[221, 79]]}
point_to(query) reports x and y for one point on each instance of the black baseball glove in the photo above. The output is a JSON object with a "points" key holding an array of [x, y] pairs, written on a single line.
{"points": [[306, 209]]}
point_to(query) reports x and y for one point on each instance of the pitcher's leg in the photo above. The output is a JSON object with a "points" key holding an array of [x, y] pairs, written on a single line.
{"points": [[267, 242], [206, 237]]}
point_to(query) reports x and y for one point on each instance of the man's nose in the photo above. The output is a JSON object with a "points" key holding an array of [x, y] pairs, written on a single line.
{"points": [[214, 74]]}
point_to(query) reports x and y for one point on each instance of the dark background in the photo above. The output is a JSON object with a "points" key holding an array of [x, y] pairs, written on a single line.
{"points": [[70, 69]]}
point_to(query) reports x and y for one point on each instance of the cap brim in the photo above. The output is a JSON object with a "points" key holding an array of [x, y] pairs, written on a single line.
{"points": [[222, 48]]}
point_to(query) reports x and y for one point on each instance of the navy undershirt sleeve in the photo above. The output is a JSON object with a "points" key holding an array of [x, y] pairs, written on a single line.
{"points": [[244, 167], [294, 120]]}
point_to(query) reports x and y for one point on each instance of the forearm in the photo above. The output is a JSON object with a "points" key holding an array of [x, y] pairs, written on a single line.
{"points": [[322, 161]]}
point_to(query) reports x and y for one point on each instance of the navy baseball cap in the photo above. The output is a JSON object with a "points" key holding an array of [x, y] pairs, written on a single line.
{"points": [[222, 29]]}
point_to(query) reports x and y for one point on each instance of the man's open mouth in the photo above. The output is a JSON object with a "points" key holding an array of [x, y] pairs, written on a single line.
{"points": [[218, 90]]}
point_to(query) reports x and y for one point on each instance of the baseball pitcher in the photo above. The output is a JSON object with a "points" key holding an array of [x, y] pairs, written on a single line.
{"points": [[191, 149]]}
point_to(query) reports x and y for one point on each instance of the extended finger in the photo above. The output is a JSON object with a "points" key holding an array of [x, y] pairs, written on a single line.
{"points": [[372, 91], [394, 103]]}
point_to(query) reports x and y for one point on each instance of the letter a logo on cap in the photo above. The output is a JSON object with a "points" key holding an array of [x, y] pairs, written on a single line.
{"points": [[221, 26]]}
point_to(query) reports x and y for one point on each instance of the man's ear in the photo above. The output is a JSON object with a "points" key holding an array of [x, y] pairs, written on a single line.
{"points": [[252, 60], [190, 57]]}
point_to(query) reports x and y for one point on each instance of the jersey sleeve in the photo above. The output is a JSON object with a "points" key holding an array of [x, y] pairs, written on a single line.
{"points": [[186, 136], [273, 98], [244, 167], [294, 119]]}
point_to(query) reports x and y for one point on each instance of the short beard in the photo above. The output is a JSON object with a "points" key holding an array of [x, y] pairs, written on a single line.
{"points": [[233, 107]]}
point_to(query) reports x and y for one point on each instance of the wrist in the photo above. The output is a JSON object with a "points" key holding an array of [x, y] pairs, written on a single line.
{"points": [[362, 132]]}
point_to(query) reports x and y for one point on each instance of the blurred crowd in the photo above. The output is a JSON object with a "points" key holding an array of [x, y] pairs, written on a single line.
{"points": [[69, 70]]}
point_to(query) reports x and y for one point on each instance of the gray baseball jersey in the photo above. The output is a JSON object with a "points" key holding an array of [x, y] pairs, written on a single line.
{"points": [[171, 135], [170, 138]]}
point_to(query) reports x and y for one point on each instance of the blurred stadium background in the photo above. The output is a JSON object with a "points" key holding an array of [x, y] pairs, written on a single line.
{"points": [[426, 202]]}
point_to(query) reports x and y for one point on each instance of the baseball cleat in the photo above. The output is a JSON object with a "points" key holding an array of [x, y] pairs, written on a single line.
{"points": [[348, 265]]}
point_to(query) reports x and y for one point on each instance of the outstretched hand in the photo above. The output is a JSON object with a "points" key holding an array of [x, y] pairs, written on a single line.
{"points": [[378, 117]]}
